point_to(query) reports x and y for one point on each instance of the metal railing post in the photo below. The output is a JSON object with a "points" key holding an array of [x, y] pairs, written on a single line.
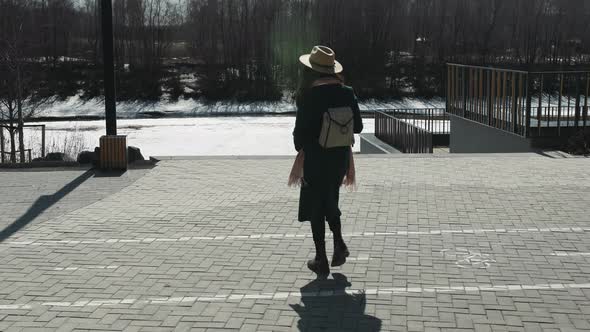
{"points": [[1, 144], [43, 141], [585, 111], [559, 102], [529, 100], [578, 103], [448, 87], [490, 103], [464, 90], [514, 105]]}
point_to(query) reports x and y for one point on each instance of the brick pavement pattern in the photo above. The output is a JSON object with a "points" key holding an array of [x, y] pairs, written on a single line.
{"points": [[447, 243]]}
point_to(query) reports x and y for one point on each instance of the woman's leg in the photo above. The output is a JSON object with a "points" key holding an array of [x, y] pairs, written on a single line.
{"points": [[319, 264], [334, 218], [318, 229], [336, 228], [340, 249]]}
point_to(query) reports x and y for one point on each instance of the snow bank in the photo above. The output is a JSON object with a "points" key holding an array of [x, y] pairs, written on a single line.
{"points": [[270, 135], [76, 106]]}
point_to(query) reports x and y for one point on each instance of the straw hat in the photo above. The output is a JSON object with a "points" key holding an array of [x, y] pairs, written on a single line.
{"points": [[322, 59]]}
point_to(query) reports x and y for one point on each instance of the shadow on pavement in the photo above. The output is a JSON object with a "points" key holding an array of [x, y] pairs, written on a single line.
{"points": [[41, 204], [108, 174], [327, 307]]}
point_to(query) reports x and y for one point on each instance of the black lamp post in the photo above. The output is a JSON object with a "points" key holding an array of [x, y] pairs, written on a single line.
{"points": [[109, 67]]}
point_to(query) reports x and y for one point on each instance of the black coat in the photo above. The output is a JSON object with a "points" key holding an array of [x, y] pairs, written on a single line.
{"points": [[324, 169]]}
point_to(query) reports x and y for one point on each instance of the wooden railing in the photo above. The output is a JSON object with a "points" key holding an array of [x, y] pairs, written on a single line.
{"points": [[559, 100], [495, 97], [522, 102], [402, 135]]}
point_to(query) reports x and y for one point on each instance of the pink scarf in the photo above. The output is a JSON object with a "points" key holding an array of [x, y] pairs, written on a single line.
{"points": [[296, 176]]}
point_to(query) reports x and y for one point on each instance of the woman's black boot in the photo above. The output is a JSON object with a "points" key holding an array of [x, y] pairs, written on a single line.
{"points": [[340, 253], [319, 264], [340, 249]]}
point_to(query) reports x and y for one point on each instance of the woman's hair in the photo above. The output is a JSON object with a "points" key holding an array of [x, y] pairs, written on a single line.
{"points": [[308, 76]]}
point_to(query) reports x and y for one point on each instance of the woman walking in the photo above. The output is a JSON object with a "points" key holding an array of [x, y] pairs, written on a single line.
{"points": [[328, 115]]}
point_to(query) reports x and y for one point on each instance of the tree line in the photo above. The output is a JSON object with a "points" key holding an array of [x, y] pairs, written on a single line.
{"points": [[248, 49]]}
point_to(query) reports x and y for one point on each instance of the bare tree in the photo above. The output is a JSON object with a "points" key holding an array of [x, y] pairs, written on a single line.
{"points": [[11, 60], [17, 88], [247, 49]]}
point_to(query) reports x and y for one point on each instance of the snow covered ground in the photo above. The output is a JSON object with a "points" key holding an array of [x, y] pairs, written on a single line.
{"points": [[244, 135], [555, 123], [75, 106], [188, 127]]}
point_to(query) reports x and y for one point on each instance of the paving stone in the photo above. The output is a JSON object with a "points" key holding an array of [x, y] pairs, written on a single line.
{"points": [[485, 243]]}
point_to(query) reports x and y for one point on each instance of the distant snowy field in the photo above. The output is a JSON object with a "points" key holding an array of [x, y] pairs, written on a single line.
{"points": [[203, 136]]}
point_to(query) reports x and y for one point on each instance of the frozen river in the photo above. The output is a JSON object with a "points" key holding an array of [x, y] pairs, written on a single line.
{"points": [[188, 127], [213, 136]]}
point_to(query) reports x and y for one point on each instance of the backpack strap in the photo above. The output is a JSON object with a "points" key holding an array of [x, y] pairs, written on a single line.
{"points": [[339, 123]]}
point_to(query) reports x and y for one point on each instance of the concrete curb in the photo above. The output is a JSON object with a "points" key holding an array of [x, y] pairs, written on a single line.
{"points": [[41, 166]]}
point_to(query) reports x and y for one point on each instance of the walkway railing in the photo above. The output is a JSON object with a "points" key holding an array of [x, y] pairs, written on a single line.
{"points": [[522, 102], [433, 120], [495, 97], [6, 155], [402, 135], [559, 100]]}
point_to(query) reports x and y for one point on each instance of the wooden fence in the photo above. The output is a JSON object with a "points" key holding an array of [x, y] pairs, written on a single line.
{"points": [[5, 154], [402, 135]]}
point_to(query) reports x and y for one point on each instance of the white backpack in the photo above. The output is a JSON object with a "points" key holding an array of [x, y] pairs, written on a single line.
{"points": [[337, 128]]}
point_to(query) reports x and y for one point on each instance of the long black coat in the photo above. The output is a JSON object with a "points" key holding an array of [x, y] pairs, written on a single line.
{"points": [[324, 169]]}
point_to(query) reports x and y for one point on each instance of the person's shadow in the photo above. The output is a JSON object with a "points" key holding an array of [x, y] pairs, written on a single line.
{"points": [[327, 307]]}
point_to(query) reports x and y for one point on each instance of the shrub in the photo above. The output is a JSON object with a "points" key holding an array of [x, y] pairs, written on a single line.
{"points": [[69, 144], [579, 144]]}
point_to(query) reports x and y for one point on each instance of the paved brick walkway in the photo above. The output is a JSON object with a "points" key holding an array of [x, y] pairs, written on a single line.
{"points": [[492, 243]]}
